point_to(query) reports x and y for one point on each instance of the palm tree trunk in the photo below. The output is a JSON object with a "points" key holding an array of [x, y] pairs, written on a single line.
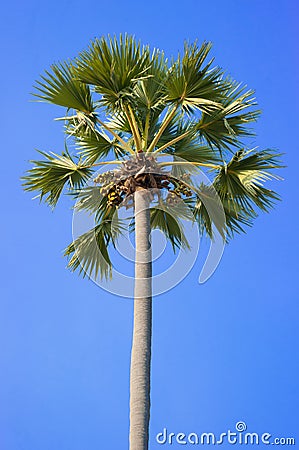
{"points": [[142, 332]]}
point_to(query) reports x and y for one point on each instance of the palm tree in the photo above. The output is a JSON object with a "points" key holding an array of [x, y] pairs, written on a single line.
{"points": [[129, 106]]}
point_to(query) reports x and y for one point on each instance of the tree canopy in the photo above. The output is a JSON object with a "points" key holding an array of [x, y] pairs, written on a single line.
{"points": [[158, 121]]}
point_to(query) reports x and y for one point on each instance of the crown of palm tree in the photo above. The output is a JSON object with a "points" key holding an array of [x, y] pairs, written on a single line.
{"points": [[129, 106]]}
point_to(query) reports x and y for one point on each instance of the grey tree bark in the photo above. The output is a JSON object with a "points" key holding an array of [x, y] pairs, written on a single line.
{"points": [[142, 329]]}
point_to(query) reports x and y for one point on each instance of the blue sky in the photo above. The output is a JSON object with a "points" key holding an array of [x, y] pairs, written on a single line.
{"points": [[224, 351]]}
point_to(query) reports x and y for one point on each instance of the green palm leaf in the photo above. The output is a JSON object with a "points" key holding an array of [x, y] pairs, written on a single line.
{"points": [[50, 175], [88, 199], [149, 93], [212, 213], [237, 218], [208, 211], [119, 122], [192, 151], [224, 126], [94, 146], [89, 252], [240, 182], [114, 67], [172, 228], [193, 84], [190, 147], [61, 87]]}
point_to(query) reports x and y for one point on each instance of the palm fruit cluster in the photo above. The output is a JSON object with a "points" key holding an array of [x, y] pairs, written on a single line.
{"points": [[139, 171], [179, 189]]}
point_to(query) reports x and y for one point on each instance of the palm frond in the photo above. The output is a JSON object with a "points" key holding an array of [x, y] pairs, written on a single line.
{"points": [[192, 151], [61, 87], [172, 228], [240, 182], [119, 122], [91, 200], [113, 66], [149, 93], [94, 146], [189, 147], [224, 126], [212, 213], [191, 81], [237, 217], [208, 211], [170, 131], [89, 252], [49, 176], [88, 199]]}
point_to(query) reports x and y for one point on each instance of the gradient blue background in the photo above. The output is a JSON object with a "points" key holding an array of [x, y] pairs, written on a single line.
{"points": [[222, 352]]}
